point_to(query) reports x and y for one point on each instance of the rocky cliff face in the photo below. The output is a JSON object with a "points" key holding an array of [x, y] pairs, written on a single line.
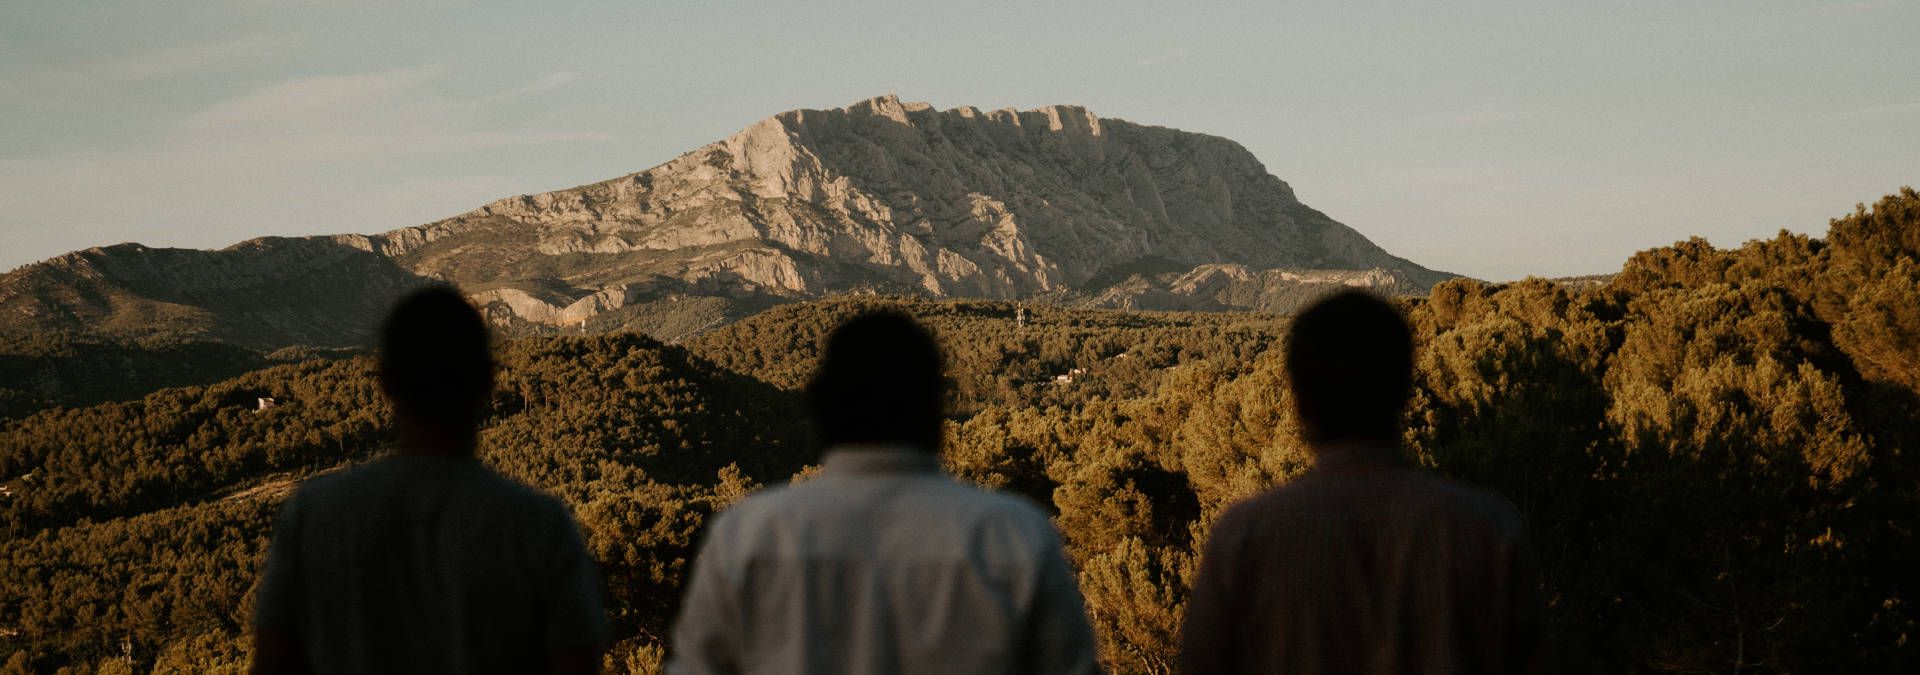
{"points": [[882, 196]]}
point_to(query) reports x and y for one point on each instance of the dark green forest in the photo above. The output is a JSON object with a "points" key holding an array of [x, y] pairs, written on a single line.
{"points": [[1710, 449], [42, 371]]}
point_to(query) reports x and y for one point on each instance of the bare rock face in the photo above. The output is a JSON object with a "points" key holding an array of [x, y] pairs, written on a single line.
{"points": [[1224, 287], [881, 196], [892, 196]]}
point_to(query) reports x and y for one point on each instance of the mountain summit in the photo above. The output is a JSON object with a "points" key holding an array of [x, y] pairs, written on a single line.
{"points": [[882, 196]]}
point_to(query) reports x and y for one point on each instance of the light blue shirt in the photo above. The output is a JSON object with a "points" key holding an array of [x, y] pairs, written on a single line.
{"points": [[882, 564]]}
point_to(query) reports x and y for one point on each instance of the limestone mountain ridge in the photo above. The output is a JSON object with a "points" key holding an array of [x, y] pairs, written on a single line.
{"points": [[882, 196]]}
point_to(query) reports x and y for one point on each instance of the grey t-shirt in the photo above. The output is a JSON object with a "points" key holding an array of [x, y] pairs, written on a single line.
{"points": [[424, 564]]}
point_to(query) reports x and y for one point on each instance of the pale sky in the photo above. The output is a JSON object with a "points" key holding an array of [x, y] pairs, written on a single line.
{"points": [[1493, 139]]}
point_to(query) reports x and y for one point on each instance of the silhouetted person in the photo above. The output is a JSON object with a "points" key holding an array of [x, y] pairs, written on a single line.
{"points": [[881, 563], [1364, 564], [425, 560]]}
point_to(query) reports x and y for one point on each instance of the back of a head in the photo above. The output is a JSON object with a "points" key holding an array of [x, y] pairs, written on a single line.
{"points": [[879, 382], [436, 362], [1350, 360]]}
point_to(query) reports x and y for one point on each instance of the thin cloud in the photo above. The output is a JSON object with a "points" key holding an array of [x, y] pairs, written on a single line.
{"points": [[336, 4], [1169, 56], [1801, 18], [152, 66], [332, 118], [546, 82], [274, 160], [549, 81], [1486, 113], [193, 59], [542, 84], [1874, 111], [306, 96]]}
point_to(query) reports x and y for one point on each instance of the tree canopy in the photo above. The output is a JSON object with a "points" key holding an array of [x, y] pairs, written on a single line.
{"points": [[1710, 447]]}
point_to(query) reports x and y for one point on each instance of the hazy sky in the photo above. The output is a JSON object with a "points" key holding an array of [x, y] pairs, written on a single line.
{"points": [[1491, 139]]}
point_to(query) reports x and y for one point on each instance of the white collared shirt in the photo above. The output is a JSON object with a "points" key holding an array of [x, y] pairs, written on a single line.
{"points": [[882, 564]]}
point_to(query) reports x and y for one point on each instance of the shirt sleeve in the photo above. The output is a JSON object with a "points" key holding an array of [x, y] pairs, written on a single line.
{"points": [[576, 608], [280, 601], [1060, 639], [1206, 637], [706, 636]]}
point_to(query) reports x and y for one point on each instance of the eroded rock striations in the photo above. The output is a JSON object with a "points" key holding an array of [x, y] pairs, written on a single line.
{"points": [[882, 196]]}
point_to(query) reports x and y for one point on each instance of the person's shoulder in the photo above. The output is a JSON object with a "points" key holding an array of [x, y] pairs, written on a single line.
{"points": [[769, 503], [485, 478], [958, 501], [774, 498], [481, 489], [1428, 491], [1464, 502], [1271, 504], [999, 506], [512, 495], [1297, 494], [988, 514], [334, 487]]}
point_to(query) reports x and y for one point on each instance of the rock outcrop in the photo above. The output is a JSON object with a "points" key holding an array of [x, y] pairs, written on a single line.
{"points": [[882, 196]]}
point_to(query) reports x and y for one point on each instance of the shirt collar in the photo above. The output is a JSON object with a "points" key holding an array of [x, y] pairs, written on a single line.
{"points": [[1357, 455], [878, 459]]}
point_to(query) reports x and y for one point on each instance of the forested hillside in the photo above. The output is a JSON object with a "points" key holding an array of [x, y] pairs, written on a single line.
{"points": [[41, 371], [136, 529], [1711, 450]]}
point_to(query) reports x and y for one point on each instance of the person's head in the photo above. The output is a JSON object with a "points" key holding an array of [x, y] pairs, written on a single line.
{"points": [[879, 382], [1350, 360], [436, 363]]}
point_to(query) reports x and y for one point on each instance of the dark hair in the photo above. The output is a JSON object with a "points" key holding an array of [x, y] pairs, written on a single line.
{"points": [[436, 362], [1350, 359], [879, 381]]}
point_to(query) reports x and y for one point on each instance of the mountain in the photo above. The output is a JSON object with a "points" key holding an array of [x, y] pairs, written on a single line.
{"points": [[881, 197]]}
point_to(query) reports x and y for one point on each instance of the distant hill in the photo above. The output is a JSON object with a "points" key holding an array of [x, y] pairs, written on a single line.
{"points": [[882, 196], [263, 294], [76, 371]]}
